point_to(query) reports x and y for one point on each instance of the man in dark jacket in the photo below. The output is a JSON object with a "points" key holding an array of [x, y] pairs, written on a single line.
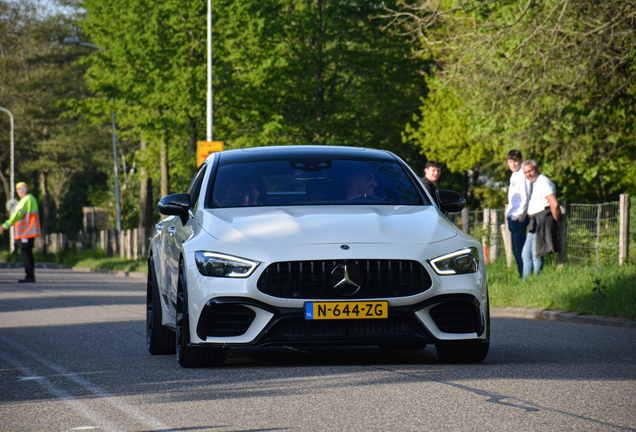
{"points": [[432, 171], [544, 213]]}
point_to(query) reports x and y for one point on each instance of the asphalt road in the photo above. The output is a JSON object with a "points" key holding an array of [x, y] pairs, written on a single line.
{"points": [[73, 357]]}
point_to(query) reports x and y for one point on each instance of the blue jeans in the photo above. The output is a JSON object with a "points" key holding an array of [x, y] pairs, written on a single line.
{"points": [[518, 239], [530, 260]]}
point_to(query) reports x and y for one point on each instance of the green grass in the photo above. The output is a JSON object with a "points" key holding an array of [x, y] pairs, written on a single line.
{"points": [[608, 291], [95, 259]]}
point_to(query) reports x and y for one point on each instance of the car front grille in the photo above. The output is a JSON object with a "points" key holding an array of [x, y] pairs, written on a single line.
{"points": [[313, 279], [456, 317]]}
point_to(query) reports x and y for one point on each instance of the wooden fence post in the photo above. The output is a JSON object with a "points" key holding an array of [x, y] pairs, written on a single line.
{"points": [[466, 220], [507, 238], [484, 235], [128, 244], [112, 236], [54, 242], [623, 230], [122, 243], [494, 235], [135, 243], [103, 240]]}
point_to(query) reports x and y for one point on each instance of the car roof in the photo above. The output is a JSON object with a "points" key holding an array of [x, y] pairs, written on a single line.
{"points": [[302, 151]]}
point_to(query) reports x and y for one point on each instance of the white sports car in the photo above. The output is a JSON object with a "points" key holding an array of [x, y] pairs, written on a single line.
{"points": [[312, 245]]}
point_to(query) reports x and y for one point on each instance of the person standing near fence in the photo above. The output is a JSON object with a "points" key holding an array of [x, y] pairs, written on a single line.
{"points": [[432, 171], [518, 197], [543, 215], [26, 222]]}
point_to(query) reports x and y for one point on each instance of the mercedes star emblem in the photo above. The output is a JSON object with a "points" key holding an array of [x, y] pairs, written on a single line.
{"points": [[346, 279]]}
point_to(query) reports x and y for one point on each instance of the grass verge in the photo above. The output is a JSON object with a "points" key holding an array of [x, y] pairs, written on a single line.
{"points": [[608, 291]]}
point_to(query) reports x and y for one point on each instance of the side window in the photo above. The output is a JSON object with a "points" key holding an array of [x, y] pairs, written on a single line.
{"points": [[195, 186]]}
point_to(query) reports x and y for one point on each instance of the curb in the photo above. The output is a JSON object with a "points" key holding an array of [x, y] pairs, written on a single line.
{"points": [[572, 317]]}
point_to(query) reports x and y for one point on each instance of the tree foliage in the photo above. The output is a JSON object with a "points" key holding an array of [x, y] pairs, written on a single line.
{"points": [[285, 72], [317, 72], [553, 78], [36, 74]]}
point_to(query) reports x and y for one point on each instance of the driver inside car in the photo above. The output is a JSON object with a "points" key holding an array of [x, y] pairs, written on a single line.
{"points": [[361, 184]]}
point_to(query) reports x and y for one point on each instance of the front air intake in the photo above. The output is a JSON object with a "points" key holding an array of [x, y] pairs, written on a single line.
{"points": [[456, 316], [227, 320]]}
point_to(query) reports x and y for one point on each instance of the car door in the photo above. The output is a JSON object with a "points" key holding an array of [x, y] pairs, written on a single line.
{"points": [[177, 233]]}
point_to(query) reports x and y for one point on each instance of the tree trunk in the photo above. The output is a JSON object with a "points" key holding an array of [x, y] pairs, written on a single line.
{"points": [[192, 141], [163, 152], [45, 208], [34, 184], [145, 197]]}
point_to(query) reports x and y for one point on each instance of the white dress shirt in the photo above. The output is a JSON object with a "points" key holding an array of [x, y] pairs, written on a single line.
{"points": [[518, 195]]}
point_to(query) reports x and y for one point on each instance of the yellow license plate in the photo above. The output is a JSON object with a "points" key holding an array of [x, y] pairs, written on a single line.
{"points": [[346, 310]]}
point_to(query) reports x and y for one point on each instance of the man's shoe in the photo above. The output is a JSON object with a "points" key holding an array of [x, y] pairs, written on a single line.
{"points": [[27, 280]]}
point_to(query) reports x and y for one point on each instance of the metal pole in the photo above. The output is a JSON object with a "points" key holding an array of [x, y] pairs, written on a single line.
{"points": [[210, 135], [117, 200], [12, 182]]}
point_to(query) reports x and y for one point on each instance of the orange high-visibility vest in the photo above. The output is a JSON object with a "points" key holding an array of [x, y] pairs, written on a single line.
{"points": [[25, 219]]}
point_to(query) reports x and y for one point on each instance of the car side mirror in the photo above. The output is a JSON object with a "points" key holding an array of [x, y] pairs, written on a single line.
{"points": [[176, 205], [450, 201]]}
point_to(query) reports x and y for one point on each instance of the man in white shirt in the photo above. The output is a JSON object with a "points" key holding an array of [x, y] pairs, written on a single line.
{"points": [[518, 196], [544, 213]]}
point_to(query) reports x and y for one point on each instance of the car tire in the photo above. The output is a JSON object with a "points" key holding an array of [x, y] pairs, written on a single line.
{"points": [[191, 356], [160, 339], [462, 353]]}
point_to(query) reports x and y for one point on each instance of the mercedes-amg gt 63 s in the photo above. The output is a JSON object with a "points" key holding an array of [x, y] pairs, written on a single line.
{"points": [[313, 246]]}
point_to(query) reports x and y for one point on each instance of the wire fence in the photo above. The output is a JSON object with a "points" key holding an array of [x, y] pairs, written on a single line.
{"points": [[592, 232]]}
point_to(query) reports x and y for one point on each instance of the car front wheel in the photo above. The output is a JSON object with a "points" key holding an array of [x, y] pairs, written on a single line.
{"points": [[190, 356]]}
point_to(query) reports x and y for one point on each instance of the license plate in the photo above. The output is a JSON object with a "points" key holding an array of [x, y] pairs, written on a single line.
{"points": [[346, 310]]}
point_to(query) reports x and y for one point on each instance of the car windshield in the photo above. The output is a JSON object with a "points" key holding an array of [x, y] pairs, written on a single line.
{"points": [[313, 181]]}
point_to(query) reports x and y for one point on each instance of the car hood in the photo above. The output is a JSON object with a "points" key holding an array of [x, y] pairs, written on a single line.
{"points": [[311, 225]]}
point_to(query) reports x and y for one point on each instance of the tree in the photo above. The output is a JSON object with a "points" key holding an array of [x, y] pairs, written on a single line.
{"points": [[36, 74], [553, 78], [316, 72]]}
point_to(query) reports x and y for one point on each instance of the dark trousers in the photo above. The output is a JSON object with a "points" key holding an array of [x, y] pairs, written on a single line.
{"points": [[26, 253], [518, 238]]}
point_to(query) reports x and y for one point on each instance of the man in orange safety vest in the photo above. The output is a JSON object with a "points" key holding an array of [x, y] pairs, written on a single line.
{"points": [[26, 222]]}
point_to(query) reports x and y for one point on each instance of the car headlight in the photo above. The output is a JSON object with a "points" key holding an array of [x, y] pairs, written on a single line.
{"points": [[219, 265], [459, 262]]}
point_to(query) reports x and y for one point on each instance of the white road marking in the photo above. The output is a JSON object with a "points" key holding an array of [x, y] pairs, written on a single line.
{"points": [[77, 406], [133, 412]]}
